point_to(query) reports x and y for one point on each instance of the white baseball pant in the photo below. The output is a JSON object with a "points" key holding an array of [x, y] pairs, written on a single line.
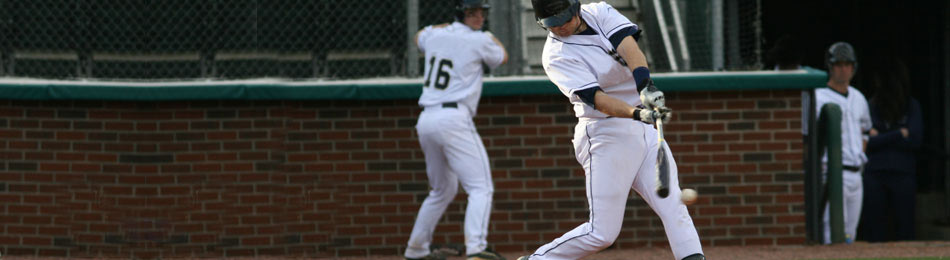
{"points": [[618, 154], [853, 193], [454, 153]]}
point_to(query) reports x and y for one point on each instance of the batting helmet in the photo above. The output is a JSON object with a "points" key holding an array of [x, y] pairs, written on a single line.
{"points": [[461, 5], [553, 13], [840, 52]]}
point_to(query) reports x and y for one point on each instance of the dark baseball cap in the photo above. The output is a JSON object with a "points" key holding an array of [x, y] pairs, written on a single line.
{"points": [[553, 13]]}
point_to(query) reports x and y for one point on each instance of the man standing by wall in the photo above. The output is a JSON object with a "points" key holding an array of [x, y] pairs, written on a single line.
{"points": [[855, 124]]}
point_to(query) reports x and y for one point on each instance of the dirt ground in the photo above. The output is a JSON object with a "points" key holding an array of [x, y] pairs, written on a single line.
{"points": [[939, 249], [858, 250]]}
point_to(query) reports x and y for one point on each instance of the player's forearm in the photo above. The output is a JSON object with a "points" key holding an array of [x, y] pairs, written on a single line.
{"points": [[612, 106], [505, 60], [630, 51]]}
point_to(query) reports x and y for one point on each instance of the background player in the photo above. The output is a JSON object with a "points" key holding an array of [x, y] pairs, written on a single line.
{"points": [[855, 123], [589, 54], [454, 54]]}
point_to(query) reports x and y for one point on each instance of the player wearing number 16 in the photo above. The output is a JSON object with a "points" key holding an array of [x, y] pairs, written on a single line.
{"points": [[454, 153]]}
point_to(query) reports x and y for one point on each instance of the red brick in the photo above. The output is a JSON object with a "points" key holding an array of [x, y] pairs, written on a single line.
{"points": [[59, 167], [793, 156], [239, 167], [773, 146], [37, 199], [119, 126], [682, 148], [39, 156], [66, 156], [555, 130], [173, 126], [759, 241], [146, 169], [88, 238], [222, 135], [28, 187], [70, 136], [37, 241], [706, 169], [85, 167], [538, 162], [742, 189], [537, 120], [102, 157], [79, 216], [31, 145], [693, 138], [522, 131], [740, 168], [714, 105], [772, 125], [725, 137], [727, 221], [52, 231], [678, 127], [741, 147], [254, 177], [788, 199], [684, 159], [788, 114]]}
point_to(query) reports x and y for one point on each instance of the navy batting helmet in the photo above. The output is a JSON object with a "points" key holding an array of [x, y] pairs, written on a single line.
{"points": [[553, 13], [461, 5], [840, 52]]}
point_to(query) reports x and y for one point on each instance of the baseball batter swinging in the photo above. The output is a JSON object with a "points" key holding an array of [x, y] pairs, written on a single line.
{"points": [[591, 54], [454, 54]]}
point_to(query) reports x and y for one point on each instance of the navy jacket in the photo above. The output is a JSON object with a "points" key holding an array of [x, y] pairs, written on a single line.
{"points": [[889, 151]]}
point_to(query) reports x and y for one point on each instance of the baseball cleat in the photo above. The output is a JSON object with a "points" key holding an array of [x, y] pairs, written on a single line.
{"points": [[695, 257], [523, 258], [448, 249], [485, 255]]}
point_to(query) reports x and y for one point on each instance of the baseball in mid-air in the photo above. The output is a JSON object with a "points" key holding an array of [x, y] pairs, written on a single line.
{"points": [[688, 196]]}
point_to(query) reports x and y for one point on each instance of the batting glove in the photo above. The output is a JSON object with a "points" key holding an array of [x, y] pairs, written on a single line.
{"points": [[651, 97], [650, 116]]}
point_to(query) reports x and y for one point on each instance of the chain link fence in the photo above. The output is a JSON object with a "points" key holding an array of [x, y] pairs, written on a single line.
{"points": [[315, 39], [710, 35]]}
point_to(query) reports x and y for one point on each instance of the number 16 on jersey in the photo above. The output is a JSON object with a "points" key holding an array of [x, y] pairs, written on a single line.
{"points": [[443, 77]]}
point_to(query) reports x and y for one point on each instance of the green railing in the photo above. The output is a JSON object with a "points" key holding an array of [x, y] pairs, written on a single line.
{"points": [[829, 136], [372, 89]]}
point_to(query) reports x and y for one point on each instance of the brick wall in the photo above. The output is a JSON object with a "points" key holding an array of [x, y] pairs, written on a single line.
{"points": [[346, 178]]}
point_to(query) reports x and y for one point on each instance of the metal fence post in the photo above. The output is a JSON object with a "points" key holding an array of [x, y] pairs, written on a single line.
{"points": [[412, 25]]}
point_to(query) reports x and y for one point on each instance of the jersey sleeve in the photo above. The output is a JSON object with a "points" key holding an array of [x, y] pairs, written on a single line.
{"points": [[492, 53], [570, 75], [612, 22], [424, 36]]}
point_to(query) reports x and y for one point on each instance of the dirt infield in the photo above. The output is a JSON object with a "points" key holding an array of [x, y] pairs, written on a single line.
{"points": [[939, 249], [858, 250]]}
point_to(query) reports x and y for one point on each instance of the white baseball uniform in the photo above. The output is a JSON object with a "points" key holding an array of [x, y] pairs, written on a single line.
{"points": [[855, 121], [453, 149], [617, 154]]}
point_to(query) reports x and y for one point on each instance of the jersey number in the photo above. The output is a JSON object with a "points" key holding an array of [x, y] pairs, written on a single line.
{"points": [[441, 80]]}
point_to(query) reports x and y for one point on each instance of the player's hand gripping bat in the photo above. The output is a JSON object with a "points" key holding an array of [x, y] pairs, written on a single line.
{"points": [[662, 165]]}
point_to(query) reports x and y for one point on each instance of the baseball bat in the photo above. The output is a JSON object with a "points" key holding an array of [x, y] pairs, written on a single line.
{"points": [[662, 166]]}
